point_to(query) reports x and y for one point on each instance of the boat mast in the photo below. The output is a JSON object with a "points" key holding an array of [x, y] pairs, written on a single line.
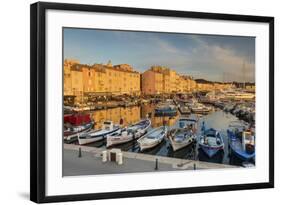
{"points": [[243, 73]]}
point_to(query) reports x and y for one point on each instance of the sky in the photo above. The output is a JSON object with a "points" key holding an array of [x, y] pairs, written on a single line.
{"points": [[211, 57]]}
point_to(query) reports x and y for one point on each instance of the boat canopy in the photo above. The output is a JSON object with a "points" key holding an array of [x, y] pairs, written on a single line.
{"points": [[77, 119], [188, 119]]}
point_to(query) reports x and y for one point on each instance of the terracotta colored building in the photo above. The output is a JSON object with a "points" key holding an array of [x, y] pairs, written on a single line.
{"points": [[159, 79]]}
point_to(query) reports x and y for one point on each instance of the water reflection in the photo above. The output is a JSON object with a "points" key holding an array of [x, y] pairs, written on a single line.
{"points": [[130, 115], [157, 121], [217, 158], [188, 152]]}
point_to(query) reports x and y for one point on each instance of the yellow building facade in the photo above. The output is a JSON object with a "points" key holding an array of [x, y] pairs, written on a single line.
{"points": [[159, 79], [210, 86], [103, 79], [80, 79], [119, 79], [73, 79], [250, 88]]}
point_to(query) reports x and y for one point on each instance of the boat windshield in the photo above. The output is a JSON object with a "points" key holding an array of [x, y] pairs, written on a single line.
{"points": [[212, 141], [107, 123], [248, 136], [155, 134]]}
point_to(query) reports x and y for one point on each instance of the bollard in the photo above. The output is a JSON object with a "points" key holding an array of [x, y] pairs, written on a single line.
{"points": [[80, 153], [104, 156], [194, 166], [156, 164], [120, 158]]}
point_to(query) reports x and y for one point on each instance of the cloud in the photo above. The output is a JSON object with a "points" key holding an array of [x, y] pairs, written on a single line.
{"points": [[219, 62], [203, 60], [166, 47]]}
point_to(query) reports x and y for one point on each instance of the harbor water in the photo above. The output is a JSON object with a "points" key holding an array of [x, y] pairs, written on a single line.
{"points": [[217, 119]]}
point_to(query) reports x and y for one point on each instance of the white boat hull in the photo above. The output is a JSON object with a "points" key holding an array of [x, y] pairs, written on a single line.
{"points": [[151, 139], [179, 145], [74, 136], [89, 140], [95, 136], [144, 146], [110, 141], [121, 139]]}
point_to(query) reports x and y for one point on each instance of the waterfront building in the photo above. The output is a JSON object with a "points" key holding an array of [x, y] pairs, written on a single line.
{"points": [[73, 80], [152, 83], [82, 81], [250, 87], [108, 79], [99, 79], [223, 86], [159, 79], [205, 87], [189, 83]]}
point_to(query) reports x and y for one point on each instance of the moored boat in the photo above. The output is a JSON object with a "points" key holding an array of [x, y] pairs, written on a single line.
{"points": [[166, 111], [152, 138], [241, 142], [70, 134], [184, 109], [107, 128], [199, 108], [184, 135], [211, 141], [75, 124], [130, 133]]}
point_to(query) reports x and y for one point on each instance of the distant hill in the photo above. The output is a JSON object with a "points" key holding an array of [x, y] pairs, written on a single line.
{"points": [[238, 84]]}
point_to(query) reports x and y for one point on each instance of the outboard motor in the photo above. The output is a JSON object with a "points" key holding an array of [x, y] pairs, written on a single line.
{"points": [[181, 124], [203, 127]]}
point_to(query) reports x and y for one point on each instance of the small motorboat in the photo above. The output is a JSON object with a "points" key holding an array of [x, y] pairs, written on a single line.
{"points": [[184, 135], [199, 108], [152, 138], [132, 132], [184, 110], [70, 134], [168, 110], [210, 141], [241, 142], [107, 128]]}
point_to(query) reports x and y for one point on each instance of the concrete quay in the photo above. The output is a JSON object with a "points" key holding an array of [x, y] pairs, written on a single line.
{"points": [[90, 163]]}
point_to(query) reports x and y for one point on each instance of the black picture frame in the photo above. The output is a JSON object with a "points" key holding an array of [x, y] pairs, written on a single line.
{"points": [[38, 100]]}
